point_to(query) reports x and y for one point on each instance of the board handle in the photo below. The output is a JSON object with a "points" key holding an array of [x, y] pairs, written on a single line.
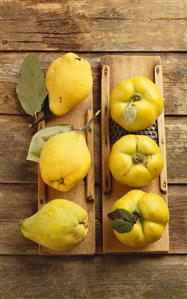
{"points": [[90, 175], [105, 128], [41, 184], [161, 129]]}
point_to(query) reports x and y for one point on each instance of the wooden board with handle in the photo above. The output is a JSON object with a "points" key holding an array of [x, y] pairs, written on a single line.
{"points": [[114, 70], [83, 192]]}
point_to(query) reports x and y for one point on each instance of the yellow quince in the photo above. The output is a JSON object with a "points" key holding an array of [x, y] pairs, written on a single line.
{"points": [[139, 218], [60, 225], [135, 160], [136, 103], [65, 160], [69, 81]]}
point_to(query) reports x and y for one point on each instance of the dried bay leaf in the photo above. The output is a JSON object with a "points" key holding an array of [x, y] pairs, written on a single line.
{"points": [[39, 139], [31, 89]]}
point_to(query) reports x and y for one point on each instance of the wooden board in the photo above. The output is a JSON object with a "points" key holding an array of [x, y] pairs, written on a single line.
{"points": [[83, 192], [86, 25], [115, 69], [107, 277]]}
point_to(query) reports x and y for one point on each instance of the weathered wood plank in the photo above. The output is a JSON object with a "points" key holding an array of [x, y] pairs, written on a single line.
{"points": [[88, 26], [174, 76], [178, 218], [175, 83], [18, 201], [15, 139], [176, 147], [16, 136], [100, 277]]}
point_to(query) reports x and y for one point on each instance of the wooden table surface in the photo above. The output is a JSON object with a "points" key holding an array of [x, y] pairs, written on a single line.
{"points": [[91, 28]]}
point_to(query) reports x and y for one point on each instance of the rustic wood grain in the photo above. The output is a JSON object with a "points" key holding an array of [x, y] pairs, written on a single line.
{"points": [[15, 139], [86, 26], [16, 136], [18, 201], [94, 278], [178, 218], [174, 79], [175, 83], [94, 25], [176, 147]]}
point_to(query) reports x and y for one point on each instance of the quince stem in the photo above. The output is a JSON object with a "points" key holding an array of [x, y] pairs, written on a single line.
{"points": [[136, 97], [88, 125], [38, 118]]}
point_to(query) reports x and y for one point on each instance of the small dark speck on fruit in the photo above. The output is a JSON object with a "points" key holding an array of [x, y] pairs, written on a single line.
{"points": [[61, 181]]}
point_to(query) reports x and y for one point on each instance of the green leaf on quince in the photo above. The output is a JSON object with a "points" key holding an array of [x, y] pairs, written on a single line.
{"points": [[122, 220], [31, 88], [40, 138], [129, 113]]}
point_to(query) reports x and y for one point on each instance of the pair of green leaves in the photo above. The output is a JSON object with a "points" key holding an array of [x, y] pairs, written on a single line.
{"points": [[31, 89], [122, 220]]}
